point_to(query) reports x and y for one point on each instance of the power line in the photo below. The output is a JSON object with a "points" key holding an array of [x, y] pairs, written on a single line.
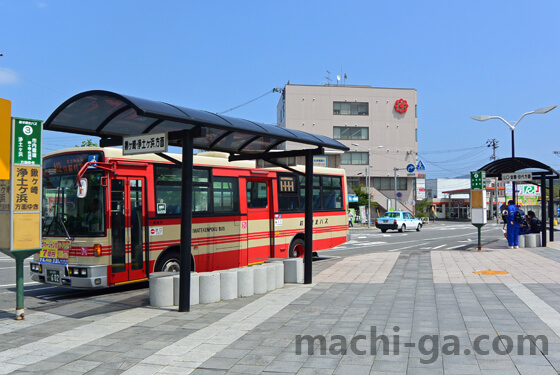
{"points": [[250, 101], [453, 150]]}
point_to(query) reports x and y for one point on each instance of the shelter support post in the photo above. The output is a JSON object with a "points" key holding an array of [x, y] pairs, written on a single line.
{"points": [[308, 258], [551, 207], [543, 210], [186, 221]]}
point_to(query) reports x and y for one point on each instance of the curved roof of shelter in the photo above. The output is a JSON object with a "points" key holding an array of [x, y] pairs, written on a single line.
{"points": [[110, 115], [513, 165]]}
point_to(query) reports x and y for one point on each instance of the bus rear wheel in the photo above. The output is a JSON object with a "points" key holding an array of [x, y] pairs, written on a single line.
{"points": [[297, 249], [170, 262]]}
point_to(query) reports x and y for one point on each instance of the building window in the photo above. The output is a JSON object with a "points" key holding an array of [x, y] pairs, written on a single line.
{"points": [[345, 132], [388, 183], [352, 182], [355, 158], [345, 108]]}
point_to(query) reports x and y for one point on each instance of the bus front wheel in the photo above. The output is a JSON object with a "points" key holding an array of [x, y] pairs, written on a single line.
{"points": [[297, 249]]}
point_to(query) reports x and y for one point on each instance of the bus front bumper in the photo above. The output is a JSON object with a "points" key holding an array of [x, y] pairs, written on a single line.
{"points": [[72, 276]]}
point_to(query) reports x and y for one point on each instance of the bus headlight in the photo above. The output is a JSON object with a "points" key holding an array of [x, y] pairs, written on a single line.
{"points": [[77, 272]]}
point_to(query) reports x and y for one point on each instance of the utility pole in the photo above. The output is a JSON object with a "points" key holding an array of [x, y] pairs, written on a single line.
{"points": [[494, 144]]}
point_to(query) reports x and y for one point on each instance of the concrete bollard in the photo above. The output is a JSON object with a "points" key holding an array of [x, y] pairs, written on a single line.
{"points": [[270, 276], [245, 282], [538, 239], [260, 279], [195, 289], [279, 275], [228, 284], [209, 287], [161, 289], [531, 240], [293, 270], [522, 240]]}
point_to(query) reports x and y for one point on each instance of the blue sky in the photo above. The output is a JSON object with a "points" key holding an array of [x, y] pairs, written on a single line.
{"points": [[464, 58]]}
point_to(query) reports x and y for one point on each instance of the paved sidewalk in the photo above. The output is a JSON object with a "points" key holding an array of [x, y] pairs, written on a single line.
{"points": [[408, 312]]}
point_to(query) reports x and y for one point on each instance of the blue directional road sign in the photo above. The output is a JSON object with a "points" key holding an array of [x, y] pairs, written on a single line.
{"points": [[420, 166], [410, 168]]}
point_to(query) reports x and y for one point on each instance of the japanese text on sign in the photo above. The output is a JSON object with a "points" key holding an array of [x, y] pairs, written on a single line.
{"points": [[525, 176], [478, 180], [27, 141], [56, 252], [26, 196], [4, 195], [145, 143]]}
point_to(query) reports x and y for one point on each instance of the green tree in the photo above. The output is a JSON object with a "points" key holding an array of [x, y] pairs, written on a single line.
{"points": [[363, 197], [88, 143], [421, 208]]}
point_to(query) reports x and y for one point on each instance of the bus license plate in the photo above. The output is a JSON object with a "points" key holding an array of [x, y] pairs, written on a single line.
{"points": [[53, 276]]}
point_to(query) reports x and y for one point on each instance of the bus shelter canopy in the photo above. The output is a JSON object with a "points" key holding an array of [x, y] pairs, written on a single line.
{"points": [[512, 165], [111, 116]]}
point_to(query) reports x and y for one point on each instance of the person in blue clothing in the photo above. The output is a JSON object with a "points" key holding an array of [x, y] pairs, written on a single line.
{"points": [[513, 228]]}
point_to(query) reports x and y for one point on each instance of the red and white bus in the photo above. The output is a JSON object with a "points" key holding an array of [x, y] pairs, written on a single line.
{"points": [[110, 219]]}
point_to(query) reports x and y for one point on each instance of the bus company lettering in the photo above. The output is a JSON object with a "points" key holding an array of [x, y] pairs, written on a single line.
{"points": [[317, 222], [209, 229]]}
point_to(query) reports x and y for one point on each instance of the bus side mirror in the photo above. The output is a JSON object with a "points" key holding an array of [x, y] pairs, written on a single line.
{"points": [[82, 188]]}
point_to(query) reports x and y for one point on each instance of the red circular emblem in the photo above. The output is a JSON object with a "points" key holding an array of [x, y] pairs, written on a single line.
{"points": [[401, 105]]}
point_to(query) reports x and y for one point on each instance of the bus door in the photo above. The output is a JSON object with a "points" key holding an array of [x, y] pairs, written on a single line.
{"points": [[128, 258], [259, 218]]}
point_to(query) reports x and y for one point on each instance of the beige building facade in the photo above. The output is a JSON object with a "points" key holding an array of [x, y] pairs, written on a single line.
{"points": [[379, 125]]}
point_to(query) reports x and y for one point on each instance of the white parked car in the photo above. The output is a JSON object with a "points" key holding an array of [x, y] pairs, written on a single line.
{"points": [[399, 220]]}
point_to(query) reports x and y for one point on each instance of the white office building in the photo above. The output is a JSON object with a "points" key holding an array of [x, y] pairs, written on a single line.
{"points": [[379, 125]]}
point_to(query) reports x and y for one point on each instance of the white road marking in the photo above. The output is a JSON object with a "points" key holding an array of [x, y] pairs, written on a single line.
{"points": [[196, 348], [544, 311], [24, 355], [10, 285]]}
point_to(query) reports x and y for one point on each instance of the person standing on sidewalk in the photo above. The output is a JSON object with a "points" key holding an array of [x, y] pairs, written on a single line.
{"points": [[350, 219], [513, 227]]}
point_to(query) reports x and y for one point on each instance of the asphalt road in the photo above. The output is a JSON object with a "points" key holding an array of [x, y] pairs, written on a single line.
{"points": [[444, 235], [455, 236]]}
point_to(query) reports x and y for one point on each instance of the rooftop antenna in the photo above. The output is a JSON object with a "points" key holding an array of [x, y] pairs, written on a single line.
{"points": [[345, 77], [328, 77]]}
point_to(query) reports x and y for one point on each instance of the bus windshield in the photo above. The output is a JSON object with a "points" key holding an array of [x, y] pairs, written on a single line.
{"points": [[66, 215]]}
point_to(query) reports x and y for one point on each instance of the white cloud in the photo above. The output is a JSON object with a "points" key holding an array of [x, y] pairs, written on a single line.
{"points": [[41, 4], [8, 77]]}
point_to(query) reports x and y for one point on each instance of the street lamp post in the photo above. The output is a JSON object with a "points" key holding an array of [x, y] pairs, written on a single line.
{"points": [[368, 182], [512, 126], [395, 170]]}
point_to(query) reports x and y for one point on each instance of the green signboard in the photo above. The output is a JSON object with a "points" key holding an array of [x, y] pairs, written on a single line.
{"points": [[26, 141], [478, 180]]}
